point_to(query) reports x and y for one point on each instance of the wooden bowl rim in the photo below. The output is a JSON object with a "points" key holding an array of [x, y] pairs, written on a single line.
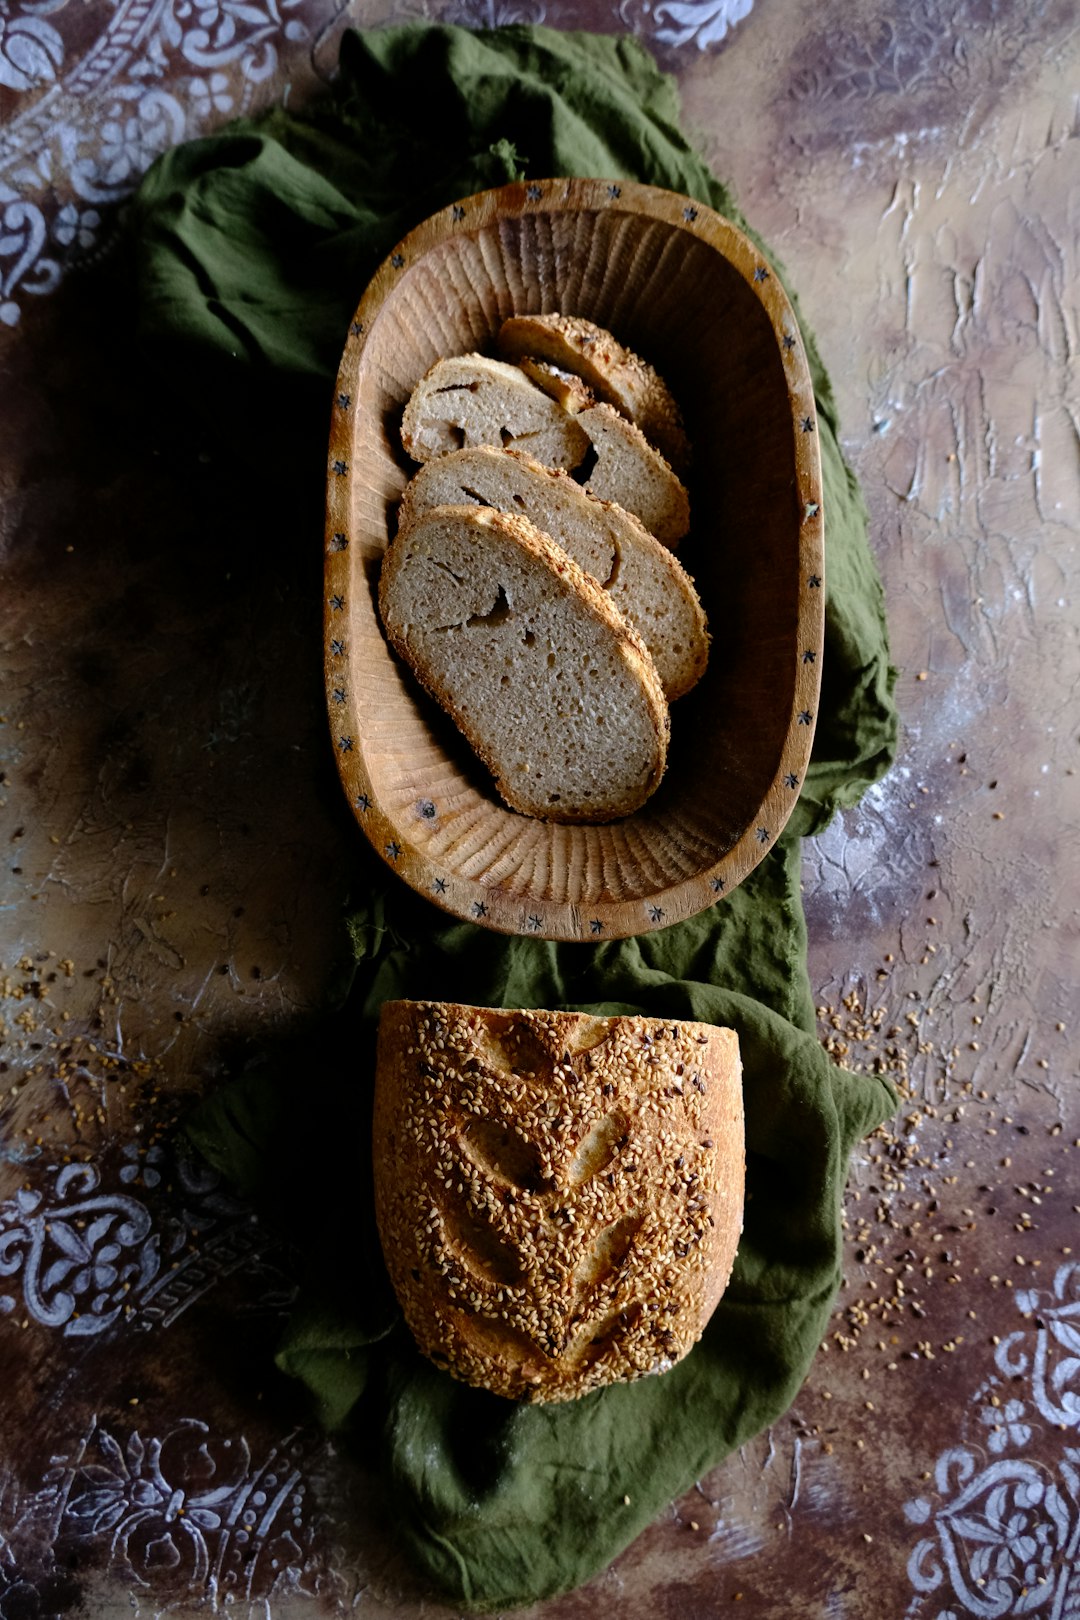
{"points": [[472, 899]]}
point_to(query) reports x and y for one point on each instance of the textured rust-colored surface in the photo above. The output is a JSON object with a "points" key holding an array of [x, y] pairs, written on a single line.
{"points": [[174, 843]]}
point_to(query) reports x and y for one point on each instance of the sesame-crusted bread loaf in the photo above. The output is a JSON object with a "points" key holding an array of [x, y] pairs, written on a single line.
{"points": [[525, 651], [615, 374], [469, 399], [559, 1196], [650, 588], [629, 471]]}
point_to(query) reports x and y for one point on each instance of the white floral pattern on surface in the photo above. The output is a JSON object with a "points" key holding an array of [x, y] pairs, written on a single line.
{"points": [[1006, 1426], [31, 51], [678, 23], [81, 1258], [493, 13], [177, 1503], [73, 225], [184, 1515], [94, 119], [90, 127], [136, 125], [75, 1248], [1003, 1535], [24, 266]]}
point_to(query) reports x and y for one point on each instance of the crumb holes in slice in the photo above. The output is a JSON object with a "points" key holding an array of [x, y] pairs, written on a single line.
{"points": [[586, 466], [497, 614]]}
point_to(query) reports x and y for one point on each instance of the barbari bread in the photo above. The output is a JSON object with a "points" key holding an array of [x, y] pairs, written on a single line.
{"points": [[559, 1197], [650, 588], [525, 651], [469, 399], [614, 373]]}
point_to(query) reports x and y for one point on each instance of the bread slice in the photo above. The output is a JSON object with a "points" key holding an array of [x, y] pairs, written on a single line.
{"points": [[629, 471], [615, 374], [650, 588], [527, 654], [469, 399], [559, 1196]]}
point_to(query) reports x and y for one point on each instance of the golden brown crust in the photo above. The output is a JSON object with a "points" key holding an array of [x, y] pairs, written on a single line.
{"points": [[565, 387], [615, 374], [559, 1197]]}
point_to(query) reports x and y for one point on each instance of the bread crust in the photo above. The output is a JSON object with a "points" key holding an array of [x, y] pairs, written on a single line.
{"points": [[616, 375], [542, 767], [559, 1197], [565, 387], [646, 582]]}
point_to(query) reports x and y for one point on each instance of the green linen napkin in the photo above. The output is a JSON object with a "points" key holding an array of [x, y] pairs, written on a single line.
{"points": [[253, 247]]}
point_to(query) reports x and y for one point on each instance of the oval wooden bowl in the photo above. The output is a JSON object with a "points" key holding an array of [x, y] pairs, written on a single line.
{"points": [[688, 291]]}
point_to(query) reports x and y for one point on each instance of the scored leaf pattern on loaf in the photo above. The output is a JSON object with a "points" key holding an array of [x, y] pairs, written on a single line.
{"points": [[558, 1207], [511, 1166]]}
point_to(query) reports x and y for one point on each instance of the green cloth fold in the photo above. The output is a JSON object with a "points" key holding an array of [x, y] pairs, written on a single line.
{"points": [[252, 249], [501, 1504]]}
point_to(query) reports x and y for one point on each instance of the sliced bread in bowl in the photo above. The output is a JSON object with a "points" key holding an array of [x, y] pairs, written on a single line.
{"points": [[554, 691], [647, 584]]}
